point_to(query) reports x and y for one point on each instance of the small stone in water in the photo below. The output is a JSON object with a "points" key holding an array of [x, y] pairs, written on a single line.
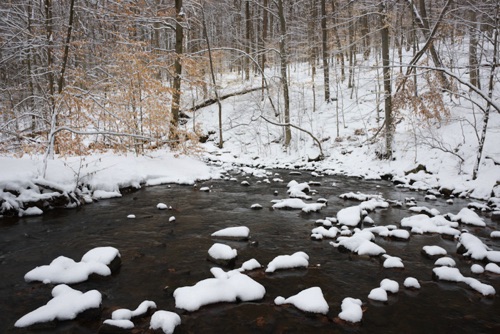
{"points": [[131, 216], [171, 219]]}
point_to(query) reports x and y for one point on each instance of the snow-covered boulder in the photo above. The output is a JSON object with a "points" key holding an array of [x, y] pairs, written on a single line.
{"points": [[308, 300], [454, 275], [411, 283], [222, 254], [351, 310], [467, 216], [165, 320], [233, 233], [378, 294], [350, 216], [101, 261], [224, 287], [433, 252], [471, 246], [66, 304], [296, 260], [359, 243]]}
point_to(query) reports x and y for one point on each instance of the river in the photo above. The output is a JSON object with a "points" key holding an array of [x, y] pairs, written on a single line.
{"points": [[158, 256]]}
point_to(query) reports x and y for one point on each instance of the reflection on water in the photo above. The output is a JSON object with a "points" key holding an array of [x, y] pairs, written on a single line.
{"points": [[158, 256]]}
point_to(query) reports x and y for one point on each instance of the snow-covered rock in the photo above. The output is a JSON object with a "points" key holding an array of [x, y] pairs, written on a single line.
{"points": [[350, 216], [389, 285], [236, 232], [378, 294], [393, 262], [296, 260], [308, 300], [433, 251], [66, 304], [411, 283], [165, 320], [351, 310], [222, 254], [445, 261], [360, 243], [62, 269], [467, 216], [224, 287]]}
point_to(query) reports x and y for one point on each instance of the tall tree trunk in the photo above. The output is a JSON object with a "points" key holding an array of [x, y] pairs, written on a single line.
{"points": [[352, 47], [176, 95], [60, 83], [52, 115], [50, 43], [387, 80], [338, 43], [324, 44], [212, 73], [473, 62], [491, 85], [264, 39], [311, 35], [248, 27], [283, 67]]}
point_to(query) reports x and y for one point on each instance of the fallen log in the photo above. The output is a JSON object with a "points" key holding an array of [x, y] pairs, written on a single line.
{"points": [[209, 102]]}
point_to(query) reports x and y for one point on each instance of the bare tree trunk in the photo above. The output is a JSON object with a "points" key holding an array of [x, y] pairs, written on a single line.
{"points": [[66, 47], [284, 79], [247, 38], [324, 37], [176, 95], [352, 48], [387, 80], [491, 84], [205, 33], [264, 38], [312, 38], [337, 42], [473, 62]]}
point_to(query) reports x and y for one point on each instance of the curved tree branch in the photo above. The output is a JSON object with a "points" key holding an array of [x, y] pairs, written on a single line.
{"points": [[321, 155]]}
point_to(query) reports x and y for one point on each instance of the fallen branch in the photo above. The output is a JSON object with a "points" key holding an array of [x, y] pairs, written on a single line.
{"points": [[321, 155], [209, 102]]}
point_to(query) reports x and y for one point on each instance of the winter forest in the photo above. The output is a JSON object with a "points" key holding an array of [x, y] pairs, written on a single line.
{"points": [[79, 76], [393, 105]]}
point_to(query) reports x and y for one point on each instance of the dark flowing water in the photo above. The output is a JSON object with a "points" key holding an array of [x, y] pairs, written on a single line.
{"points": [[158, 256]]}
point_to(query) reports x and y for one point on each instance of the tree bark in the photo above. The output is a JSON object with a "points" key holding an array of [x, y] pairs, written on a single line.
{"points": [[264, 39], [324, 44], [473, 62], [176, 95], [248, 27], [205, 33], [387, 80], [338, 43], [491, 85], [66, 47], [283, 68]]}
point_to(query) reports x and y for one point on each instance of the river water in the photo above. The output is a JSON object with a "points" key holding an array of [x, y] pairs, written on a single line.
{"points": [[158, 256]]}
